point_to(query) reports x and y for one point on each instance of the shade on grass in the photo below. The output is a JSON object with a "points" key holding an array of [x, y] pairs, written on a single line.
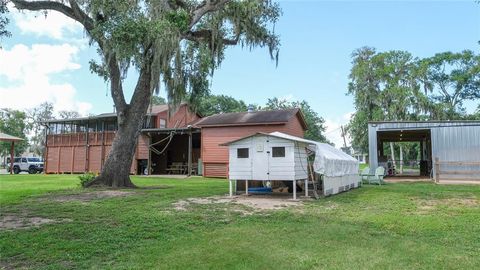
{"points": [[396, 226]]}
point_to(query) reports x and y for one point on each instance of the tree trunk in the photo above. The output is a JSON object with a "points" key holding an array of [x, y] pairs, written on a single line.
{"points": [[116, 170], [401, 159], [392, 153]]}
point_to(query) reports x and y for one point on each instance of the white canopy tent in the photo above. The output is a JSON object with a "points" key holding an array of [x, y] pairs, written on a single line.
{"points": [[340, 171]]}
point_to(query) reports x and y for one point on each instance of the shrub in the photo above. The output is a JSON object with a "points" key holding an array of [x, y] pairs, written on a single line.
{"points": [[86, 178]]}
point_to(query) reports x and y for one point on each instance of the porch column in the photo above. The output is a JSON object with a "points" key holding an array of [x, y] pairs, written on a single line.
{"points": [[149, 161], [230, 186], [189, 166], [246, 187]]}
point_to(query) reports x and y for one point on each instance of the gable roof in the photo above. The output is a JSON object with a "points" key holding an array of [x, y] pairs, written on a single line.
{"points": [[272, 134], [9, 138], [251, 118]]}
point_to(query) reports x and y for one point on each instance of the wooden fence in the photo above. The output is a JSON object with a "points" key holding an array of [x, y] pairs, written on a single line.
{"points": [[442, 174]]}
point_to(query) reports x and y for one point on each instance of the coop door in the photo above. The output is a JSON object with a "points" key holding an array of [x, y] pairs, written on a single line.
{"points": [[260, 159]]}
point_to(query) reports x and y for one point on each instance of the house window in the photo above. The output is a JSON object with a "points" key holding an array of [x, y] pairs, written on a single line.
{"points": [[278, 151], [163, 123], [242, 153]]}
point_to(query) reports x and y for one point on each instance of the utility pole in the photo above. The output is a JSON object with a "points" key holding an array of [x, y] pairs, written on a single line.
{"points": [[343, 135]]}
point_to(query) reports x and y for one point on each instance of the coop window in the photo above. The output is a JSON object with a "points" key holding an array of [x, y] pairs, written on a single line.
{"points": [[242, 153], [278, 151]]}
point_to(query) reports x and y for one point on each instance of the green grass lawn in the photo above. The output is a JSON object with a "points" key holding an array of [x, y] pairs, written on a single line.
{"points": [[396, 226]]}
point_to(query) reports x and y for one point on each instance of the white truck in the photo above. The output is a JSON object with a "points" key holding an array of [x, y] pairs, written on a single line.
{"points": [[31, 165]]}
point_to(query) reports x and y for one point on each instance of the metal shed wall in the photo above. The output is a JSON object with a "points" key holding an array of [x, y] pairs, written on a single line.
{"points": [[451, 141]]}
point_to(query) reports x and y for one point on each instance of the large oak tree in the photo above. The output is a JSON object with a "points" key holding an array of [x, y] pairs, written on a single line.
{"points": [[176, 43]]}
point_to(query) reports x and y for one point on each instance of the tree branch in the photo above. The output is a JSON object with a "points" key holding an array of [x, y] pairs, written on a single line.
{"points": [[116, 89], [45, 5], [76, 13], [206, 35], [204, 8], [73, 12], [81, 16]]}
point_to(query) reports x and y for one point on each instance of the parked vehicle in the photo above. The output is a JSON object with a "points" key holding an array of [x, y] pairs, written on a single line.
{"points": [[31, 165]]}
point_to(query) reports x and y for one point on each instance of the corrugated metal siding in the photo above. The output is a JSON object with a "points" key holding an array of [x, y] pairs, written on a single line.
{"points": [[451, 141], [457, 144]]}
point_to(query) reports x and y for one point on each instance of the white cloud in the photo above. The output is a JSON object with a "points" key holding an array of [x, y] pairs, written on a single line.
{"points": [[28, 83], [54, 25], [333, 131]]}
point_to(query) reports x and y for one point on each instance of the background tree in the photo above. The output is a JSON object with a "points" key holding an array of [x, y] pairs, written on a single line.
{"points": [[178, 41], [315, 123], [68, 114], [213, 104], [35, 122], [12, 122], [158, 100], [395, 86], [3, 21], [449, 79], [385, 88]]}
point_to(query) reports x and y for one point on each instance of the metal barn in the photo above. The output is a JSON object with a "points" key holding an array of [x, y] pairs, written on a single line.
{"points": [[449, 150]]}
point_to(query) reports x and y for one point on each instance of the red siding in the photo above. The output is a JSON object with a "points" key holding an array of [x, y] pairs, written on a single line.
{"points": [[67, 153], [181, 118], [213, 154], [215, 169], [66, 158], [142, 147], [79, 163]]}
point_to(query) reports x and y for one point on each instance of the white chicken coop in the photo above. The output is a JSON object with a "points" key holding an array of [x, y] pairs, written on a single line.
{"points": [[281, 157]]}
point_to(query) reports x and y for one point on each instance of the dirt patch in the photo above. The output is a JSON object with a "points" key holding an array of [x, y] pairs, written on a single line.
{"points": [[89, 196], [11, 222], [424, 205], [252, 203]]}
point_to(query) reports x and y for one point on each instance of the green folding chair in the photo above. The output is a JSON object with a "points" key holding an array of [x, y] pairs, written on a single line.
{"points": [[377, 178], [364, 175]]}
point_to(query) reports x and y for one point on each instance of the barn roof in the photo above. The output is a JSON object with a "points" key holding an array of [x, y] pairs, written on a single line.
{"points": [[251, 118]]}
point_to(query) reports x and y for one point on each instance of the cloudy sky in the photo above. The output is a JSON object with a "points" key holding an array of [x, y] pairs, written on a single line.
{"points": [[47, 57]]}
